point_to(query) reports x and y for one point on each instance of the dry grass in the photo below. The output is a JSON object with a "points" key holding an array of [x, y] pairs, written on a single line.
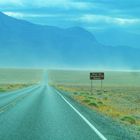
{"points": [[120, 103], [119, 98], [11, 87]]}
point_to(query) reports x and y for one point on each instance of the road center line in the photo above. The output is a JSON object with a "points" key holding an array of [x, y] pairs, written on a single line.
{"points": [[88, 123]]}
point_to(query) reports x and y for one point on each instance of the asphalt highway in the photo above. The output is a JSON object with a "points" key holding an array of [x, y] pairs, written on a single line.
{"points": [[43, 113]]}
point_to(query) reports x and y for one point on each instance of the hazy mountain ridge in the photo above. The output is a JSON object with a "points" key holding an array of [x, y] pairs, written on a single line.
{"points": [[118, 37], [25, 44]]}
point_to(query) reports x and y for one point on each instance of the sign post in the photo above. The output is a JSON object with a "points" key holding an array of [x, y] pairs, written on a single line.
{"points": [[91, 87], [96, 76], [101, 84]]}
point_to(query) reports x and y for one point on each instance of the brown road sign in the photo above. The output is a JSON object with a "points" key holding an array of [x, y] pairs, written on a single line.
{"points": [[97, 76]]}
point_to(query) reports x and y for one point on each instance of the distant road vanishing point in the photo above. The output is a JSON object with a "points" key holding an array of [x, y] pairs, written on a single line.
{"points": [[43, 113]]}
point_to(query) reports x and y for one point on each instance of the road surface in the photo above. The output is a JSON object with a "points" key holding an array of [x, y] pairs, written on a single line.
{"points": [[42, 113]]}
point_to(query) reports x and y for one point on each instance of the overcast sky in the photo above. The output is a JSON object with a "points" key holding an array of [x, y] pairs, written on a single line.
{"points": [[94, 15]]}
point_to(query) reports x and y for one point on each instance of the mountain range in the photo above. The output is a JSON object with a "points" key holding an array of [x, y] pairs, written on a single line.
{"points": [[118, 37], [24, 44]]}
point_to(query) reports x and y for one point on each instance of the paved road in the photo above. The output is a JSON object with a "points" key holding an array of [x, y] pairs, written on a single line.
{"points": [[41, 113]]}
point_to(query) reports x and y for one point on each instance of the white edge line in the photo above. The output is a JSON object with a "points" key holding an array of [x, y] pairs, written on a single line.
{"points": [[89, 124]]}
